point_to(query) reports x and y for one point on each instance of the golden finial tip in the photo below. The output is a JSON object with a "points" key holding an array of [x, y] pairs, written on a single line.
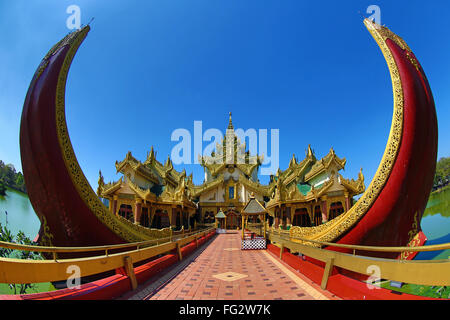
{"points": [[230, 124]]}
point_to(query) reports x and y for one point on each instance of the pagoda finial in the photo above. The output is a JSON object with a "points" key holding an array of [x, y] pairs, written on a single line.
{"points": [[230, 123], [309, 152], [360, 175], [293, 161]]}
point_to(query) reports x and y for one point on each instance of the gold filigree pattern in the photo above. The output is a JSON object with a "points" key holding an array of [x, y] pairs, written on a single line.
{"points": [[326, 232], [121, 227], [324, 163], [329, 231], [46, 237], [414, 237]]}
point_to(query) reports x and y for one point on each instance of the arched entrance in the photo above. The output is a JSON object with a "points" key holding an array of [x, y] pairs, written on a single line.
{"points": [[126, 211], [336, 209], [145, 219], [161, 220], [317, 216], [301, 218], [233, 219]]}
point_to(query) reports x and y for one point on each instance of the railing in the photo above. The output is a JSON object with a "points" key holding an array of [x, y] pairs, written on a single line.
{"points": [[36, 271], [422, 272]]}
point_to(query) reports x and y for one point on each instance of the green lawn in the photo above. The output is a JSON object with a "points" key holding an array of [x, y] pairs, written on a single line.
{"points": [[38, 287], [419, 290]]}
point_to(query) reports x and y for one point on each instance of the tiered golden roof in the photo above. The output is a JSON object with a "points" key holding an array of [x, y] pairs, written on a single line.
{"points": [[303, 181]]}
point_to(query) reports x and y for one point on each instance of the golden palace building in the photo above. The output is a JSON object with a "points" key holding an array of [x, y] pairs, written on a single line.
{"points": [[154, 195]]}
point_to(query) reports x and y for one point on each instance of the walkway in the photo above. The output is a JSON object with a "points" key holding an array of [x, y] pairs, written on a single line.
{"points": [[221, 271]]}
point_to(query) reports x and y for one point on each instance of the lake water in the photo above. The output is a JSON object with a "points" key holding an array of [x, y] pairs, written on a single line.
{"points": [[20, 215], [435, 222]]}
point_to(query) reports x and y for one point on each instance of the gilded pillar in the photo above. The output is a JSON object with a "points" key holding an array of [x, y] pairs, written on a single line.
{"points": [[137, 211], [166, 211], [264, 221], [324, 209], [288, 216], [114, 204], [277, 218], [174, 216], [152, 211]]}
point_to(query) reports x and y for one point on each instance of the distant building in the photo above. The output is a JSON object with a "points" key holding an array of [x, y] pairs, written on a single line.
{"points": [[155, 195]]}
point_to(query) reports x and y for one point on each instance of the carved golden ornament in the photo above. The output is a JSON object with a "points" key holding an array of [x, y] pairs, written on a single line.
{"points": [[324, 163], [123, 228], [331, 230], [46, 237], [414, 237], [111, 187], [356, 186]]}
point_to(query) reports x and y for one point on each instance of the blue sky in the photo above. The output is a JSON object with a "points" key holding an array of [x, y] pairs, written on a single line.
{"points": [[307, 68]]}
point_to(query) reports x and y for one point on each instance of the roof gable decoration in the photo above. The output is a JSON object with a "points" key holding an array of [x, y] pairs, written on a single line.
{"points": [[220, 214], [324, 163], [230, 151], [253, 207]]}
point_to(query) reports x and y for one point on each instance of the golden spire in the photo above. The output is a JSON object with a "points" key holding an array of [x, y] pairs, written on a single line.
{"points": [[293, 161], [230, 124], [309, 152]]}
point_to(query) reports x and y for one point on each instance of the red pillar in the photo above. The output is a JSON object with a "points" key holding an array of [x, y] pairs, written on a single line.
{"points": [[138, 211], [114, 205], [277, 218], [347, 203]]}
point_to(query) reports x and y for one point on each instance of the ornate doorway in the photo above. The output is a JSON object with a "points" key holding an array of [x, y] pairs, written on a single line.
{"points": [[233, 220]]}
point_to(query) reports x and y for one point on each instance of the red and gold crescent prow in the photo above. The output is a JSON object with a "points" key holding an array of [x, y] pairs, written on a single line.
{"points": [[388, 211], [71, 214], [386, 214], [393, 218]]}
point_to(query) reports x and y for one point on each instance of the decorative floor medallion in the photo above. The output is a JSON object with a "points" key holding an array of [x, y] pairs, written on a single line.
{"points": [[230, 276]]}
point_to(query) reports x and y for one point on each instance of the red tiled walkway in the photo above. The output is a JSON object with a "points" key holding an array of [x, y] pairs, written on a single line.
{"points": [[223, 271]]}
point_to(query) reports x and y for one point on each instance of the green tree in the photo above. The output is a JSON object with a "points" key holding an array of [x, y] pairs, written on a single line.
{"points": [[2, 189], [7, 236], [9, 177], [442, 175], [20, 182]]}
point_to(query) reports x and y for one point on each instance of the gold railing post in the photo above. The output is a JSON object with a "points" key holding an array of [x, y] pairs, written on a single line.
{"points": [[327, 272], [128, 264]]}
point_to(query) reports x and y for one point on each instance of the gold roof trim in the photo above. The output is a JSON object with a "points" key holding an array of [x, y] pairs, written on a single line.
{"points": [[197, 190], [324, 163], [109, 188], [356, 186], [334, 228]]}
